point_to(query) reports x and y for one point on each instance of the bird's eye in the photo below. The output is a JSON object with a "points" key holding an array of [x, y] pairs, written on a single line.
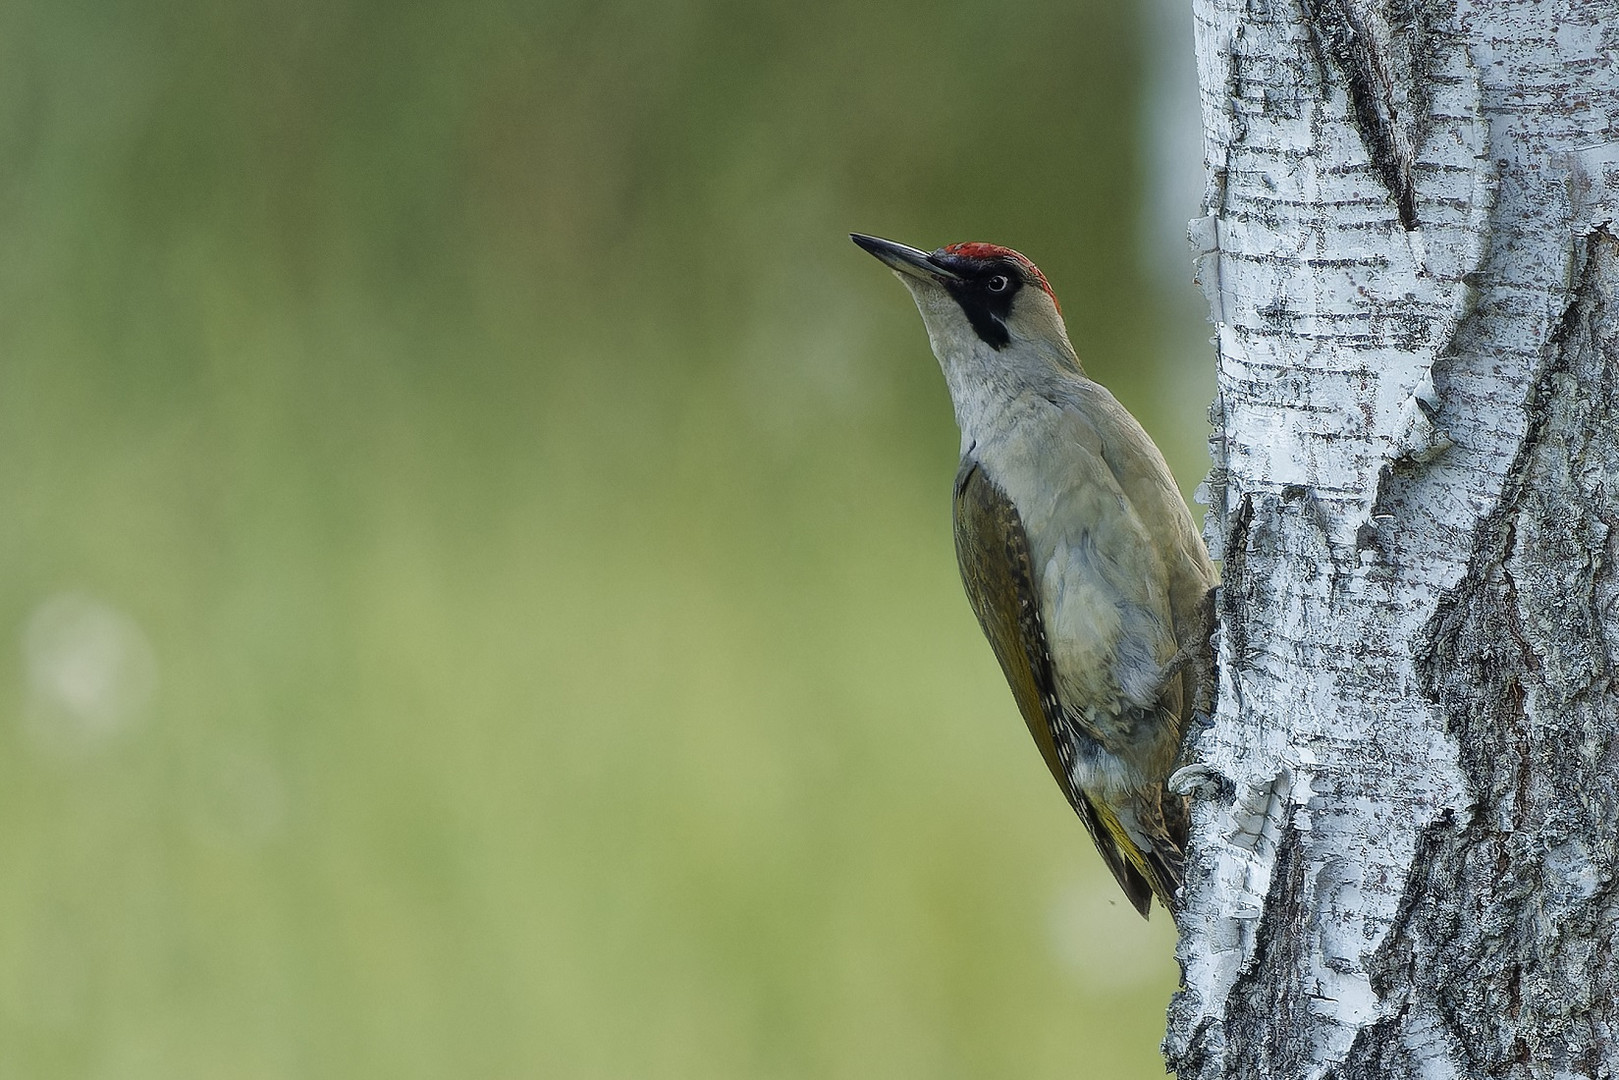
{"points": [[998, 283]]}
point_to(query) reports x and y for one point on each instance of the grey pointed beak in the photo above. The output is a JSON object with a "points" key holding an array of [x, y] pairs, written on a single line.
{"points": [[905, 260]]}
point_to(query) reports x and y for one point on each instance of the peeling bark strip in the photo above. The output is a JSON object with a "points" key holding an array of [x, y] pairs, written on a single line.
{"points": [[1405, 858]]}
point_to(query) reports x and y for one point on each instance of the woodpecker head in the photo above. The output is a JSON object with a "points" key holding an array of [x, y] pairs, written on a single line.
{"points": [[984, 305]]}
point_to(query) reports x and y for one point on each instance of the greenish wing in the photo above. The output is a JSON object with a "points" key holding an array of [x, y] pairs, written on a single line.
{"points": [[992, 551]]}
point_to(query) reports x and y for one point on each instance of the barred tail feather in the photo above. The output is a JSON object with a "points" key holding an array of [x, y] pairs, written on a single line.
{"points": [[1142, 874]]}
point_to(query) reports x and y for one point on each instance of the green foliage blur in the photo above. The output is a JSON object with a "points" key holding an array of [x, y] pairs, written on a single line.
{"points": [[478, 593]]}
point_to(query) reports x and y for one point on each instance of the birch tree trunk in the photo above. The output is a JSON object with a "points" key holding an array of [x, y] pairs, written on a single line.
{"points": [[1406, 833]]}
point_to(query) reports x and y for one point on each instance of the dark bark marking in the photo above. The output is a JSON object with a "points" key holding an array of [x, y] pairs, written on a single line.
{"points": [[1347, 40], [1235, 593], [1269, 994], [1492, 919]]}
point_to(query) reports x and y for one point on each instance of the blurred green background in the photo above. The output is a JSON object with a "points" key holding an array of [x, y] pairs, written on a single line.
{"points": [[479, 598]]}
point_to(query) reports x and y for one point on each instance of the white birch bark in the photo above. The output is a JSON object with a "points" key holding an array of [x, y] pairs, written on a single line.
{"points": [[1405, 854]]}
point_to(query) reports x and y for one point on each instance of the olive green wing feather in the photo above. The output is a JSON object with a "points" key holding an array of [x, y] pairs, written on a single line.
{"points": [[992, 551]]}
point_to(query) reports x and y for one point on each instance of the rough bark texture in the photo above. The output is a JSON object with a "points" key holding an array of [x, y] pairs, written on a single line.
{"points": [[1406, 838]]}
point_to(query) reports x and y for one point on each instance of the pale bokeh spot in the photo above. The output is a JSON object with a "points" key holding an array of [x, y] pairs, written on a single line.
{"points": [[242, 801], [90, 673], [1101, 941]]}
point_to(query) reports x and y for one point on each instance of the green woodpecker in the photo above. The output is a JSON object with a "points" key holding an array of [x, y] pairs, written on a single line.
{"points": [[1079, 556]]}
